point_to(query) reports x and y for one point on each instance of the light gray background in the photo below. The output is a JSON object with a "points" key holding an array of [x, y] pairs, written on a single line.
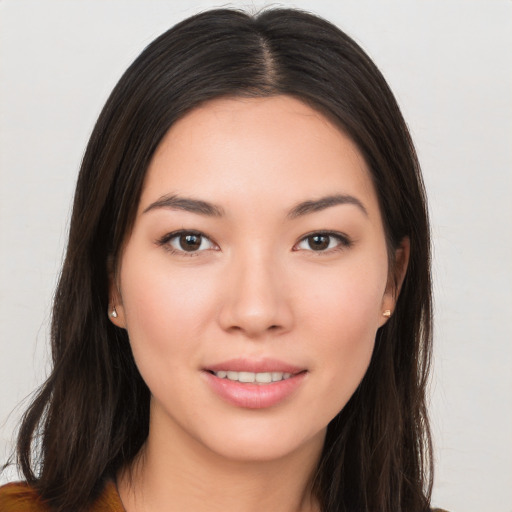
{"points": [[449, 63]]}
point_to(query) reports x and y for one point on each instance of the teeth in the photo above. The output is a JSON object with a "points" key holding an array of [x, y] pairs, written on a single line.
{"points": [[263, 378], [251, 377], [246, 376]]}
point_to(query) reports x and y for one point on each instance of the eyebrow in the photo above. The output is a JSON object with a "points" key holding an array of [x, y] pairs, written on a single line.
{"points": [[174, 202], [323, 203]]}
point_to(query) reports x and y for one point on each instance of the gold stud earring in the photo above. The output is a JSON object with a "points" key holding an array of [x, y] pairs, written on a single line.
{"points": [[113, 313], [387, 313]]}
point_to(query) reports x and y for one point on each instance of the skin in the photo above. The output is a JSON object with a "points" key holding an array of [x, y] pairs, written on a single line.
{"points": [[254, 289]]}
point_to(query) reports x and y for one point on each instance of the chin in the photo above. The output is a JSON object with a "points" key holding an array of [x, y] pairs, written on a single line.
{"points": [[260, 444]]}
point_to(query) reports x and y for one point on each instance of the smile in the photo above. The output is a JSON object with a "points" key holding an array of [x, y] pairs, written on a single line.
{"points": [[252, 377], [255, 384]]}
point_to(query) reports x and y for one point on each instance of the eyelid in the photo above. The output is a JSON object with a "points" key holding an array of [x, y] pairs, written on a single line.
{"points": [[344, 241], [165, 240]]}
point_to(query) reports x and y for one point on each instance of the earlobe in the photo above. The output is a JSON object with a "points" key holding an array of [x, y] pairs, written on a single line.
{"points": [[116, 315]]}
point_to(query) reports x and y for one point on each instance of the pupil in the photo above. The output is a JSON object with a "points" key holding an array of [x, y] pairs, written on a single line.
{"points": [[190, 242], [318, 242]]}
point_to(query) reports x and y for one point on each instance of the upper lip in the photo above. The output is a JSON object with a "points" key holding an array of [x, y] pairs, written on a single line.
{"points": [[255, 366]]}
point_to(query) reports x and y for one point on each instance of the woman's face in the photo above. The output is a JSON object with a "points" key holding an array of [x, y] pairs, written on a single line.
{"points": [[255, 278]]}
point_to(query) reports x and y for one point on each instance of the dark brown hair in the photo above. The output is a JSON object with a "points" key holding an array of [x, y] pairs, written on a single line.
{"points": [[91, 416]]}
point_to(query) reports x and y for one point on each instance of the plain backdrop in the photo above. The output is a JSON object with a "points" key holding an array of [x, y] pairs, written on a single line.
{"points": [[449, 63]]}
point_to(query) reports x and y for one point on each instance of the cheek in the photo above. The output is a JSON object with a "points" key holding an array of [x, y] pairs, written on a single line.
{"points": [[346, 336], [346, 300], [165, 311], [344, 313]]}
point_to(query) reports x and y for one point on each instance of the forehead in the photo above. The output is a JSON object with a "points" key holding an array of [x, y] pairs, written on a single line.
{"points": [[277, 147]]}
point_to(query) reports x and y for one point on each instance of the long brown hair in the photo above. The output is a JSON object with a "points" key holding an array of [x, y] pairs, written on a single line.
{"points": [[91, 416]]}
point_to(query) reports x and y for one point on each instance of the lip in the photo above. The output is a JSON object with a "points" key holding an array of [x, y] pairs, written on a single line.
{"points": [[255, 396]]}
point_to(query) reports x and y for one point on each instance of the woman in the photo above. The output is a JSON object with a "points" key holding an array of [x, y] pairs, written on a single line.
{"points": [[244, 313]]}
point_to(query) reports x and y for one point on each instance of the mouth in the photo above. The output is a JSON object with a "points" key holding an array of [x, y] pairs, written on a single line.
{"points": [[255, 385]]}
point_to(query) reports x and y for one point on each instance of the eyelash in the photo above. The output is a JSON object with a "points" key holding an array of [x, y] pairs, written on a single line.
{"points": [[343, 242], [166, 239]]}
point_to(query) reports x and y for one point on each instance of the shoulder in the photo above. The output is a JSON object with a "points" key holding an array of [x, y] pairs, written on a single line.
{"points": [[20, 497], [108, 500]]}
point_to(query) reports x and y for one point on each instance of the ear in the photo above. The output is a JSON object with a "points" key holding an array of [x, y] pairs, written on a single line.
{"points": [[115, 303], [396, 278]]}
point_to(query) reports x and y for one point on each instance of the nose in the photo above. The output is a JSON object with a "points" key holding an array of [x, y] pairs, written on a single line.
{"points": [[256, 300]]}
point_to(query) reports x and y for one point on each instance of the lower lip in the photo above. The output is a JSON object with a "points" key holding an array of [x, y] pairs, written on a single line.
{"points": [[254, 396]]}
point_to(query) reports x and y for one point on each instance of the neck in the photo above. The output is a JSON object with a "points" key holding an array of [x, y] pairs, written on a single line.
{"points": [[172, 474]]}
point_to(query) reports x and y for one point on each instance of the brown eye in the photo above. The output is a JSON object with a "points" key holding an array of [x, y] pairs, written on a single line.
{"points": [[184, 242], [324, 242], [318, 242], [190, 242]]}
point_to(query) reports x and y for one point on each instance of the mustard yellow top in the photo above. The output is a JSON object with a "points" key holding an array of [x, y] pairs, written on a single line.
{"points": [[20, 497]]}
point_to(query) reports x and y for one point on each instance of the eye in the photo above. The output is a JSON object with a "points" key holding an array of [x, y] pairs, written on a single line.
{"points": [[186, 242], [323, 242]]}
